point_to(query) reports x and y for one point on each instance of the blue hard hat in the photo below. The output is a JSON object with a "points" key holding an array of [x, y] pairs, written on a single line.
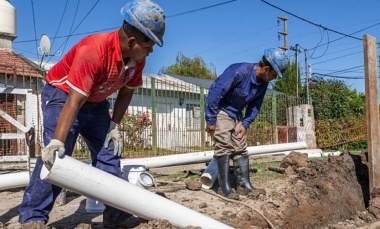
{"points": [[277, 59], [146, 16]]}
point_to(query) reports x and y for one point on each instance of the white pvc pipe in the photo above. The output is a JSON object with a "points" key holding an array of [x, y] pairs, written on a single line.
{"points": [[94, 183], [16, 180], [210, 174], [206, 156], [13, 180]]}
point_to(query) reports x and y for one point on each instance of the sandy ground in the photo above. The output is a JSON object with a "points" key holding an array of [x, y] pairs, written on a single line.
{"points": [[312, 194]]}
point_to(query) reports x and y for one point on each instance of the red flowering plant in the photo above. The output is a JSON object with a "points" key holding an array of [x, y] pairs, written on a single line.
{"points": [[134, 126]]}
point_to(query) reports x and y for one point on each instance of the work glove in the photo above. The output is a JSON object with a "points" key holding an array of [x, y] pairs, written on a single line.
{"points": [[48, 153], [115, 136]]}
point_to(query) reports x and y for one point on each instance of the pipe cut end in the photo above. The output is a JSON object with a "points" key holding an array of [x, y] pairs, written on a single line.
{"points": [[206, 181]]}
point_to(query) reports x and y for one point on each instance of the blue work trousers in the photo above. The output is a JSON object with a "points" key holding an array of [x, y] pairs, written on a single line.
{"points": [[92, 123]]}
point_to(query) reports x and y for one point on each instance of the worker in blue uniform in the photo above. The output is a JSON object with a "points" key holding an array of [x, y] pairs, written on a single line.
{"points": [[240, 86]]}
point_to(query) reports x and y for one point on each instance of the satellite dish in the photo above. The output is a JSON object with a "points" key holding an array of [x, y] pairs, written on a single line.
{"points": [[45, 45]]}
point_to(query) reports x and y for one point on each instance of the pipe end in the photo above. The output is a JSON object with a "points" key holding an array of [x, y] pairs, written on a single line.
{"points": [[206, 181]]}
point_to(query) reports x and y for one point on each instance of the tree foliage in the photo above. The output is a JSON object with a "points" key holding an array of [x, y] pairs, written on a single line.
{"points": [[288, 83], [333, 99], [185, 66]]}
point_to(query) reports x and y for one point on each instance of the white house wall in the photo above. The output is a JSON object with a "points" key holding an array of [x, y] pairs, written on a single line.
{"points": [[172, 119]]}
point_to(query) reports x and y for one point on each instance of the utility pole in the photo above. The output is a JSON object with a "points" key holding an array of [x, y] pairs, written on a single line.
{"points": [[372, 111], [378, 60], [284, 32], [297, 50], [307, 77]]}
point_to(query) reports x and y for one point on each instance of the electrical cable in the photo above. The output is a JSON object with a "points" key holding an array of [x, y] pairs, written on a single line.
{"points": [[310, 22], [60, 22], [368, 27], [338, 57], [113, 28], [345, 70], [238, 39], [34, 27], [92, 8], [244, 51], [203, 8], [320, 41], [338, 77], [71, 27], [328, 39]]}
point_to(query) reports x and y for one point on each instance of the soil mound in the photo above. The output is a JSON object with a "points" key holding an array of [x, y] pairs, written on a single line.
{"points": [[320, 192]]}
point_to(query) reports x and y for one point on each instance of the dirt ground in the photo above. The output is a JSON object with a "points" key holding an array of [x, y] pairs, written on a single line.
{"points": [[326, 194]]}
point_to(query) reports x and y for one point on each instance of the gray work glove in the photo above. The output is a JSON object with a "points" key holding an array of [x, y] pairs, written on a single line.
{"points": [[48, 153], [114, 135]]}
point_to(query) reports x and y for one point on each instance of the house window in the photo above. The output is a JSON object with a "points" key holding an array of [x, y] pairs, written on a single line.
{"points": [[193, 120]]}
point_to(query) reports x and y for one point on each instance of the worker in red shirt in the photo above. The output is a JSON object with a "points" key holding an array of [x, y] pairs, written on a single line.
{"points": [[74, 101]]}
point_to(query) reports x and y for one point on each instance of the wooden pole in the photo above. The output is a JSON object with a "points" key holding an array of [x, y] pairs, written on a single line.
{"points": [[372, 109]]}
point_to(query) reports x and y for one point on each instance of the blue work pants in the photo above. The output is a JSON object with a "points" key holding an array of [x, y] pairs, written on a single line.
{"points": [[92, 123]]}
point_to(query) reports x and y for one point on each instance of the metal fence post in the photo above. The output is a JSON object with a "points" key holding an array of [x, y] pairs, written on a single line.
{"points": [[274, 119], [202, 118], [154, 112]]}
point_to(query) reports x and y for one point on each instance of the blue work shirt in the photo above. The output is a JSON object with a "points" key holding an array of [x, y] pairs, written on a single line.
{"points": [[235, 89]]}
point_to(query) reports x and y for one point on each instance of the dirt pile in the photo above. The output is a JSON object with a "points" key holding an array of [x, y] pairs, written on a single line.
{"points": [[320, 193], [329, 193]]}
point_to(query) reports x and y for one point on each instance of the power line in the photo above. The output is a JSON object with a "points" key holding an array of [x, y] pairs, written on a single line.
{"points": [[310, 22], [199, 9], [338, 57], [243, 51], [346, 49], [74, 34], [34, 27], [345, 70], [338, 77], [92, 8], [71, 27], [238, 39], [340, 38], [60, 22], [328, 42], [113, 28]]}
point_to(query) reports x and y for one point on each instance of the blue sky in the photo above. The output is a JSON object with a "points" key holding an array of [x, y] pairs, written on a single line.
{"points": [[221, 32]]}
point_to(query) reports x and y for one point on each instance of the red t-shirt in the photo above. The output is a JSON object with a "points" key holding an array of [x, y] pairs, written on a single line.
{"points": [[94, 68]]}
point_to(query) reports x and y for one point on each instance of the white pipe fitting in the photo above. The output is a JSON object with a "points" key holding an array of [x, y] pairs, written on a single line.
{"points": [[137, 175]]}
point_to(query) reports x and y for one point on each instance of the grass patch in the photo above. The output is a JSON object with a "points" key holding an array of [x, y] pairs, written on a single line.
{"points": [[262, 173], [355, 152], [177, 176]]}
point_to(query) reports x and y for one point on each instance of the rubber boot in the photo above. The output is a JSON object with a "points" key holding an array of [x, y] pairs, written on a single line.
{"points": [[224, 178], [241, 170]]}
